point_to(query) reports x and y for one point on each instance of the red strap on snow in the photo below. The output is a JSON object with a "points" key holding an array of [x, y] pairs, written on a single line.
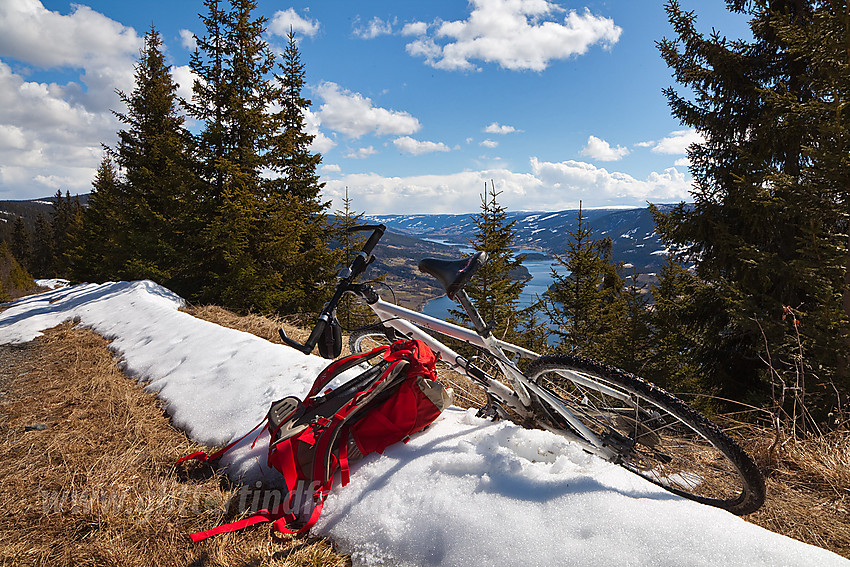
{"points": [[203, 457], [277, 516], [258, 518]]}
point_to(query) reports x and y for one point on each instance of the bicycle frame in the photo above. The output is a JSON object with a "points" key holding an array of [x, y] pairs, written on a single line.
{"points": [[411, 324]]}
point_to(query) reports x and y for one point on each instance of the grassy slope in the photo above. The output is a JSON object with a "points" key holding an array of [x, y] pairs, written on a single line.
{"points": [[87, 462]]}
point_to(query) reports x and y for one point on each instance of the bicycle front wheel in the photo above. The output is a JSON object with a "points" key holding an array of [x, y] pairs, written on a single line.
{"points": [[653, 433]]}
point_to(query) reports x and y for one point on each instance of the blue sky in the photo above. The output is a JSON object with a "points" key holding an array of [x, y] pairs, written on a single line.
{"points": [[416, 105]]}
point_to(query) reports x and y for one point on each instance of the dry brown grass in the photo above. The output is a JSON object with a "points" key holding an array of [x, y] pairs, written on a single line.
{"points": [[88, 475], [264, 326], [808, 488]]}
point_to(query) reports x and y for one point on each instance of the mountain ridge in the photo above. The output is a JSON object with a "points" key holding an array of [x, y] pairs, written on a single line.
{"points": [[632, 231]]}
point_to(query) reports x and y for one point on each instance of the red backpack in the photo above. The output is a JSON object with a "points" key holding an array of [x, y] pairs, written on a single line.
{"points": [[311, 439]]}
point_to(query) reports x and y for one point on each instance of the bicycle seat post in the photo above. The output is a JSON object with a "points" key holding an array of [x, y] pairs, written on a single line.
{"points": [[477, 322]]}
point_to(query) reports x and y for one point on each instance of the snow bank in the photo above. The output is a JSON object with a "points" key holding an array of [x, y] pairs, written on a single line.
{"points": [[465, 492]]}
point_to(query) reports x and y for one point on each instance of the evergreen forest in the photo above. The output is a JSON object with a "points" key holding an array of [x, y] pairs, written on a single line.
{"points": [[751, 311]]}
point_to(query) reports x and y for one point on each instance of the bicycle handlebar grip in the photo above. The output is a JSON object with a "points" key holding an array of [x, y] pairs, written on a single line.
{"points": [[377, 233]]}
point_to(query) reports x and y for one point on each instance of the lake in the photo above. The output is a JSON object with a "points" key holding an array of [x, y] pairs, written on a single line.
{"points": [[541, 279]]}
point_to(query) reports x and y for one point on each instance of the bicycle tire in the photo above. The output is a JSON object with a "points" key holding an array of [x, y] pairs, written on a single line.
{"points": [[466, 393], [655, 435]]}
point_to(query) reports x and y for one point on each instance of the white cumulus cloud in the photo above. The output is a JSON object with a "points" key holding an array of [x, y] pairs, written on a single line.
{"points": [[188, 40], [450, 193], [321, 142], [586, 181], [599, 149], [496, 128], [515, 34], [185, 79], [51, 132], [375, 27], [361, 153], [285, 20], [677, 142], [414, 28], [354, 115], [549, 186], [409, 145], [84, 38]]}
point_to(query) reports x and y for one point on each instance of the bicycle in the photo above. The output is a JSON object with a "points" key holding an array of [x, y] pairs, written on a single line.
{"points": [[609, 412]]}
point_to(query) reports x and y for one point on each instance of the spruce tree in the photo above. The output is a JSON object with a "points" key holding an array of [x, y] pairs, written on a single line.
{"points": [[232, 102], [496, 287], [209, 103], [101, 252], [627, 331], [676, 318], [575, 301], [305, 260], [158, 184], [43, 259], [767, 226], [66, 224], [20, 246]]}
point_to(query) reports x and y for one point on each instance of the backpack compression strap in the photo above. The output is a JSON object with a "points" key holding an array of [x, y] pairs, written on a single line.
{"points": [[339, 366]]}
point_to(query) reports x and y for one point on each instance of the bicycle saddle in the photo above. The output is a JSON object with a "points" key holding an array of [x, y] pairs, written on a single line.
{"points": [[453, 274]]}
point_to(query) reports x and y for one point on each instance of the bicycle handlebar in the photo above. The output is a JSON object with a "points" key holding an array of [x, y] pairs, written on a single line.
{"points": [[347, 276]]}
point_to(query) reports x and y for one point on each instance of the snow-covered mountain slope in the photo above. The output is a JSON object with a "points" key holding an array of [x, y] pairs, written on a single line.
{"points": [[632, 231]]}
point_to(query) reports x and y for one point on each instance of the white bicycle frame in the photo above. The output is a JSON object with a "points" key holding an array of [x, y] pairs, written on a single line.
{"points": [[411, 324]]}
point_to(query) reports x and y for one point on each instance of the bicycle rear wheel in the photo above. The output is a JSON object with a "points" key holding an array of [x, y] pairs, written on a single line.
{"points": [[466, 392], [654, 434]]}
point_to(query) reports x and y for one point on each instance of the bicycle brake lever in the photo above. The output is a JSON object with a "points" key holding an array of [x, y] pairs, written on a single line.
{"points": [[312, 340], [292, 343]]}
